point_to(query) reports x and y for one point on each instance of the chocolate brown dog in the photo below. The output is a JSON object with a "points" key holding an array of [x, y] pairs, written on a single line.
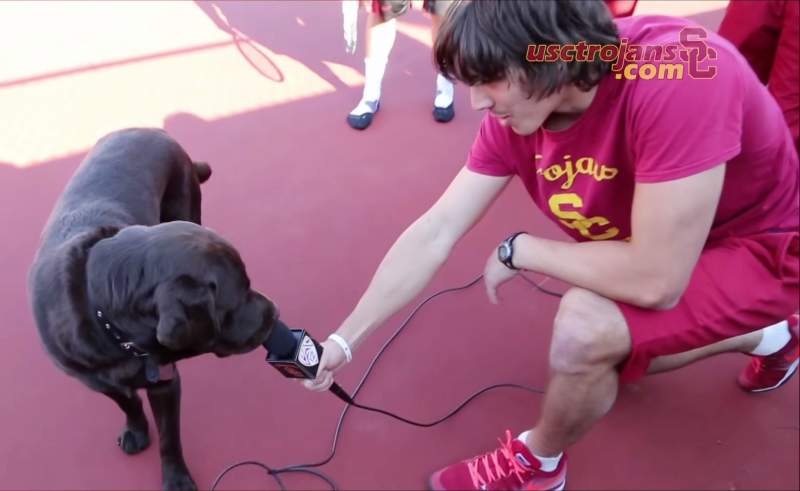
{"points": [[126, 282]]}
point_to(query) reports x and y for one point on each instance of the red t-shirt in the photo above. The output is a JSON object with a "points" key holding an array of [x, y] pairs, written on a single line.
{"points": [[656, 130]]}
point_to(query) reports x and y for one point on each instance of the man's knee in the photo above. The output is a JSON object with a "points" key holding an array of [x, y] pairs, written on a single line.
{"points": [[589, 331]]}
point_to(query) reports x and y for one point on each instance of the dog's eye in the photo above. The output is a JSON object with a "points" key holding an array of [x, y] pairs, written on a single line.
{"points": [[213, 286]]}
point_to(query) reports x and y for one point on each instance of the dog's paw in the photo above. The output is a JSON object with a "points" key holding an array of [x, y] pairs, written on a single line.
{"points": [[178, 481], [133, 440]]}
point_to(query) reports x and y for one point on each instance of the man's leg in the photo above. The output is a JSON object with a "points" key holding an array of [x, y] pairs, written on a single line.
{"points": [[739, 286], [765, 342], [443, 103], [379, 41], [583, 387], [590, 339], [743, 344]]}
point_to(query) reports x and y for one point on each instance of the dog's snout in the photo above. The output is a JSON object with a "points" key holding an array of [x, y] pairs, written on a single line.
{"points": [[272, 311]]}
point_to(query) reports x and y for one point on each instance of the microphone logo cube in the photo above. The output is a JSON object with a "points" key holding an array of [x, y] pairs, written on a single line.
{"points": [[307, 355], [303, 363]]}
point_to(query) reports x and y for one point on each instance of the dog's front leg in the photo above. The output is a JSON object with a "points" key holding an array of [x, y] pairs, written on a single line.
{"points": [[165, 401], [133, 438]]}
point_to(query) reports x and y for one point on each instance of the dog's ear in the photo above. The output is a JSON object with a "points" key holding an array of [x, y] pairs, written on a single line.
{"points": [[186, 311], [76, 252], [203, 171]]}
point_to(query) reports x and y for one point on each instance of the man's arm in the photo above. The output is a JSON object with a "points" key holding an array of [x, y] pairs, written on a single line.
{"points": [[421, 250], [670, 225]]}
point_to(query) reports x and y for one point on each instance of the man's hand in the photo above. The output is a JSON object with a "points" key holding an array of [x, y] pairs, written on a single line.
{"points": [[333, 359], [495, 274]]}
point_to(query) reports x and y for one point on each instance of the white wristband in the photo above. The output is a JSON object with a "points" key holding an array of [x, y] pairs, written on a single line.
{"points": [[341, 342]]}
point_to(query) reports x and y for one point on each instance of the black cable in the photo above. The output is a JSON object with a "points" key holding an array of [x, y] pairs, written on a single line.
{"points": [[309, 467]]}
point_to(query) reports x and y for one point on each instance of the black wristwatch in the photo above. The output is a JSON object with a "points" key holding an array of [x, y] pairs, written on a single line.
{"points": [[505, 252]]}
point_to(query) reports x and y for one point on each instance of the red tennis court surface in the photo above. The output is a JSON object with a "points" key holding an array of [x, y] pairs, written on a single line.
{"points": [[313, 206]]}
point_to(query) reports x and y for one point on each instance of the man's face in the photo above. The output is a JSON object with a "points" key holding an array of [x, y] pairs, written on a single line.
{"points": [[510, 104]]}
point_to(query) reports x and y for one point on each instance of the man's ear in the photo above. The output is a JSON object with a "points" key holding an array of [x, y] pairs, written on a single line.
{"points": [[186, 314]]}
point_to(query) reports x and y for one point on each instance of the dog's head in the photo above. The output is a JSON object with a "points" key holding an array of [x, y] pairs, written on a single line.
{"points": [[186, 284]]}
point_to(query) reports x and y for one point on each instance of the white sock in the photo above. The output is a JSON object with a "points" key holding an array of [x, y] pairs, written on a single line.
{"points": [[549, 464], [444, 92], [773, 338], [373, 79]]}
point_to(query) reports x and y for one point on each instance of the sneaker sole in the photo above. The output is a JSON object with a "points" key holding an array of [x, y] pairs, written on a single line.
{"points": [[792, 369], [559, 488]]}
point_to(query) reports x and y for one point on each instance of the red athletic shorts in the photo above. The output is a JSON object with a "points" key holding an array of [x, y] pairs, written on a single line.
{"points": [[767, 33], [739, 285], [619, 8]]}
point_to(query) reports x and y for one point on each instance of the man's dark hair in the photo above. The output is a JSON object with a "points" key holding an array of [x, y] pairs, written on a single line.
{"points": [[485, 41]]}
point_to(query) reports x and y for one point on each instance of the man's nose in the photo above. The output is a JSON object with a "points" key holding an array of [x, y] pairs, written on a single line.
{"points": [[479, 99]]}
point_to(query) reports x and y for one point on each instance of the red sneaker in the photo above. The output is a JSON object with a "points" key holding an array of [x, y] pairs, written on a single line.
{"points": [[510, 467], [770, 372]]}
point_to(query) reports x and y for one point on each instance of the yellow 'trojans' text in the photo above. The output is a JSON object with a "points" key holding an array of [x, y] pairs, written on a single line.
{"points": [[582, 166], [566, 206]]}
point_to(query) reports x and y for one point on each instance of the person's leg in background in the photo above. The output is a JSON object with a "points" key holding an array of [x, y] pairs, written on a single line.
{"points": [[443, 103], [741, 286], [766, 33], [380, 36]]}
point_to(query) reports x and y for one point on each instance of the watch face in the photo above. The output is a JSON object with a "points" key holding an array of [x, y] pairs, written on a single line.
{"points": [[504, 250]]}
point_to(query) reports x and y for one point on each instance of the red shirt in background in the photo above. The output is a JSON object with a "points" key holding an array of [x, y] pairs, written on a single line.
{"points": [[767, 33]]}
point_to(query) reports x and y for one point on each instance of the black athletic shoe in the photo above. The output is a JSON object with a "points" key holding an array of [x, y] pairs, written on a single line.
{"points": [[444, 114], [363, 121]]}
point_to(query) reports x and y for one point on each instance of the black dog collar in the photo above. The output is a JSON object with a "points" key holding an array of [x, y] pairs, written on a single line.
{"points": [[152, 371], [119, 336]]}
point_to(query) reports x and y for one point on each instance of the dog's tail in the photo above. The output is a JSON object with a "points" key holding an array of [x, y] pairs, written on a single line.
{"points": [[203, 171]]}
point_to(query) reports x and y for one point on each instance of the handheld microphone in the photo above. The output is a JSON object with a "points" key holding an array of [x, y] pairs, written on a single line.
{"points": [[295, 354]]}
